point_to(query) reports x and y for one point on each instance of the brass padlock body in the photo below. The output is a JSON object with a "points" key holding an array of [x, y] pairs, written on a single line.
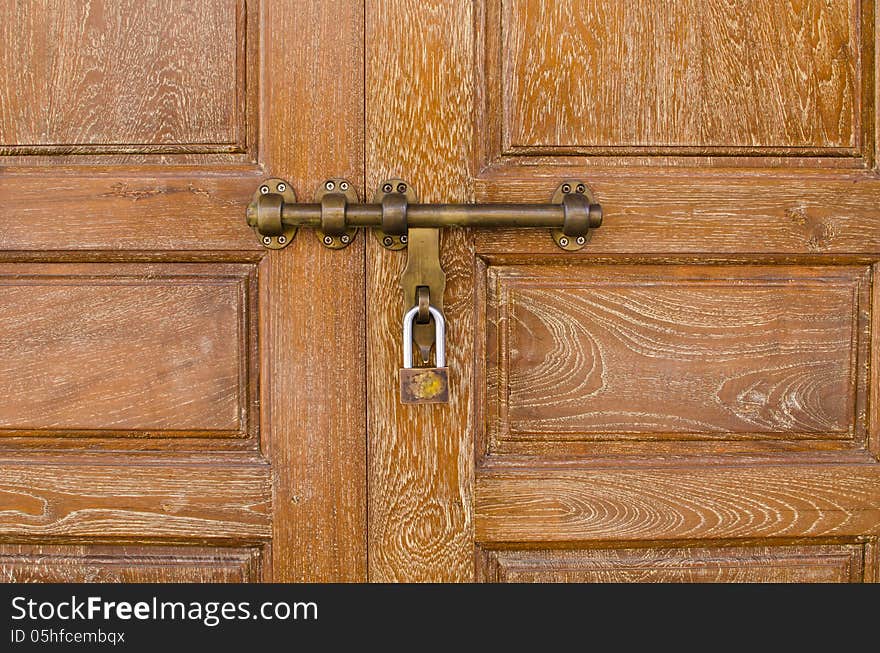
{"points": [[424, 385]]}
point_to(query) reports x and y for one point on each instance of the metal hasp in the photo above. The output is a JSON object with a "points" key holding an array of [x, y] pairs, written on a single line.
{"points": [[400, 222], [423, 281]]}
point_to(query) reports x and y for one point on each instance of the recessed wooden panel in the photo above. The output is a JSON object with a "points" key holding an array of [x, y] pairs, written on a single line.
{"points": [[126, 349], [676, 352], [754, 564], [128, 564], [698, 76], [81, 76]]}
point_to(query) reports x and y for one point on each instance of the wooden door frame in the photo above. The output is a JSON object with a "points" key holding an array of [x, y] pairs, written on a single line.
{"points": [[421, 462], [311, 324]]}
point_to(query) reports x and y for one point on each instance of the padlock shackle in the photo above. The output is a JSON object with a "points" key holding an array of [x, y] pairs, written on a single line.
{"points": [[439, 336]]}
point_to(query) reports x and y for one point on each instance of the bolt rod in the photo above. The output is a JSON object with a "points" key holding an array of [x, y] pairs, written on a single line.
{"points": [[440, 215]]}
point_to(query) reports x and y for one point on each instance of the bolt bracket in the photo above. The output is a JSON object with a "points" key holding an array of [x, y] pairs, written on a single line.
{"points": [[582, 215], [264, 213], [394, 195], [334, 195]]}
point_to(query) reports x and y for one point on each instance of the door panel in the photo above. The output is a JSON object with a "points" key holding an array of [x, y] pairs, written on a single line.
{"points": [[751, 78], [124, 77], [675, 358], [147, 350], [779, 564], [622, 500], [746, 77], [115, 497], [164, 418], [120, 82], [120, 564], [693, 395]]}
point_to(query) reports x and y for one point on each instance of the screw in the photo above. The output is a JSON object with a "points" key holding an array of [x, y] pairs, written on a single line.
{"points": [[566, 188], [581, 188], [345, 239], [264, 189], [401, 188], [388, 241], [580, 240], [281, 240], [403, 240], [343, 185], [563, 242], [329, 185], [267, 241], [282, 187], [387, 188], [328, 240]]}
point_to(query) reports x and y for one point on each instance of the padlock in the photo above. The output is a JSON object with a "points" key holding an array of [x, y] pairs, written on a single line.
{"points": [[424, 385]]}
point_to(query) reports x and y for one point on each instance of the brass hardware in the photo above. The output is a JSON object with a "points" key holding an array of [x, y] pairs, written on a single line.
{"points": [[423, 281], [424, 385], [401, 222], [423, 301], [264, 213], [423, 270], [572, 216], [395, 195], [580, 215], [334, 196]]}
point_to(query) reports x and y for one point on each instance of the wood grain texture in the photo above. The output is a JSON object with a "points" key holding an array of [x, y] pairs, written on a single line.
{"points": [[870, 113], [683, 502], [112, 210], [826, 563], [420, 457], [110, 498], [872, 561], [127, 349], [84, 76], [312, 299], [27, 563], [701, 213], [872, 412], [712, 145], [307, 506], [743, 77], [593, 353]]}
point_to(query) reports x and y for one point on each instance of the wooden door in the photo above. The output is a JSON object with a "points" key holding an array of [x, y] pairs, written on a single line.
{"points": [[693, 396], [177, 405]]}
